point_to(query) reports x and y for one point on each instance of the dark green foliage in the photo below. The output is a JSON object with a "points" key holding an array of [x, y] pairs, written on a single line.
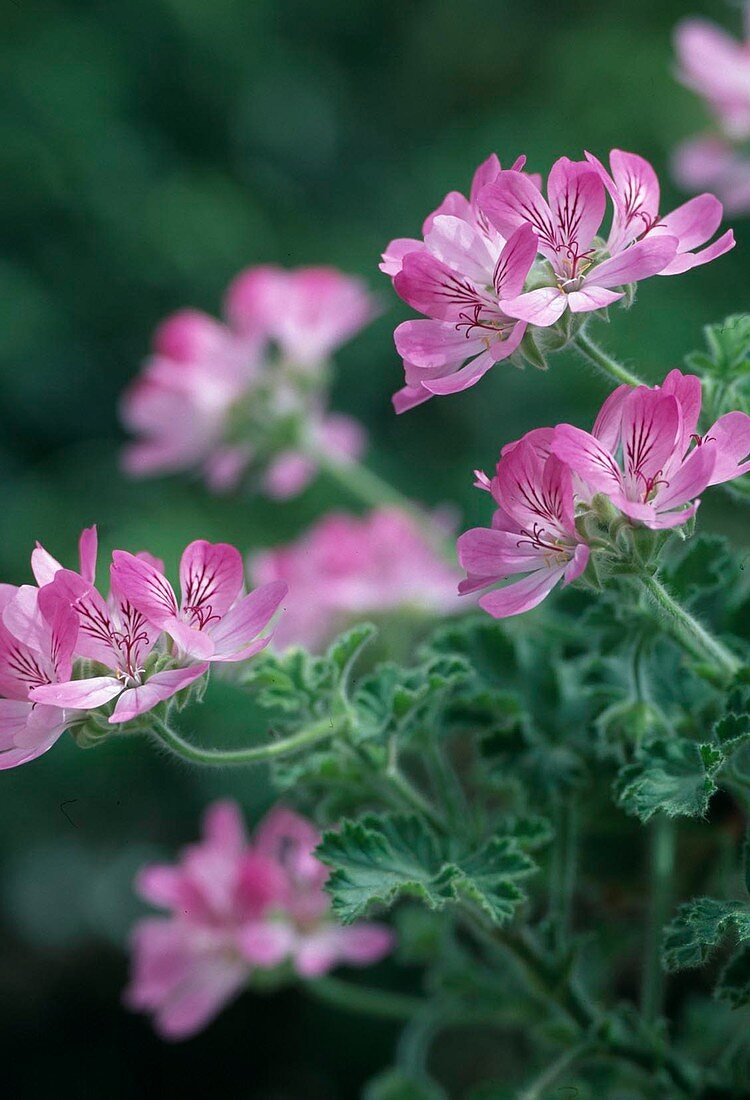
{"points": [[674, 776], [699, 927]]}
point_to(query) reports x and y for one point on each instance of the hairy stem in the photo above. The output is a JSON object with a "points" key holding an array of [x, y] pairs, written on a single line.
{"points": [[603, 362], [539, 1089], [310, 735], [689, 632], [381, 1003], [662, 854]]}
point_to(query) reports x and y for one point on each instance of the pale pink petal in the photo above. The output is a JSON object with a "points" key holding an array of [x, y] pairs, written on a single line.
{"points": [[434, 347], [163, 685], [588, 458], [689, 480], [454, 205], [87, 553], [393, 257], [433, 288], [78, 694], [640, 261], [461, 247], [365, 943], [144, 587], [162, 885], [590, 298], [521, 595], [512, 200], [189, 335], [464, 378], [609, 420], [43, 565], [488, 555], [409, 397], [27, 731], [288, 474], [687, 389], [540, 307], [342, 436], [211, 576], [514, 262], [224, 826], [577, 199], [687, 260], [578, 563], [731, 434], [266, 943], [488, 171], [244, 622], [694, 222]]}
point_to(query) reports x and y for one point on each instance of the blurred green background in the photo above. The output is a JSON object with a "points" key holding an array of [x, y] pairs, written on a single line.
{"points": [[149, 149]]}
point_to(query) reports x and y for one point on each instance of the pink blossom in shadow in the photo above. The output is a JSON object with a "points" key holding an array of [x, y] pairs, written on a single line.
{"points": [[711, 163], [644, 452], [533, 530], [347, 566], [236, 907], [717, 67]]}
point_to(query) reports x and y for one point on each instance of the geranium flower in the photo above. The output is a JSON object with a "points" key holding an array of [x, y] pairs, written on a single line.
{"points": [[213, 621], [710, 163], [348, 566], [644, 453], [533, 530], [37, 641], [237, 907], [566, 227], [457, 277], [717, 67]]}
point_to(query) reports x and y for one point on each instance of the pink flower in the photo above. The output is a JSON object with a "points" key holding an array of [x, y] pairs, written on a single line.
{"points": [[37, 640], [634, 188], [458, 278], [309, 312], [566, 227], [718, 68], [644, 453], [237, 907], [225, 398], [710, 162], [533, 530], [112, 632], [348, 566], [213, 621]]}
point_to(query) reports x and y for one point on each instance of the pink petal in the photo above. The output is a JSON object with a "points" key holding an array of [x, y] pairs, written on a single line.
{"points": [[522, 595], [488, 555], [43, 565], [434, 347], [87, 553], [694, 222], [688, 260], [211, 576], [144, 587], [588, 458], [577, 565], [609, 421], [246, 619], [650, 433], [511, 201], [79, 694], [189, 335], [690, 479], [590, 298], [163, 685], [433, 288], [27, 731], [639, 261], [161, 885], [687, 389], [288, 474], [731, 434], [540, 307], [224, 826], [343, 436], [514, 262], [577, 198], [487, 171], [393, 257], [409, 397], [266, 943], [365, 943], [458, 244], [464, 378]]}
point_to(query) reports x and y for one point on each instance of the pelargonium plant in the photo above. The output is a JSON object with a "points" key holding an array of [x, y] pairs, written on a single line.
{"points": [[716, 66], [535, 801]]}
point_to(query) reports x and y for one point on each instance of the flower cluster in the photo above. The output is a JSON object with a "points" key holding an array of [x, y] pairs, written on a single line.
{"points": [[347, 566], [644, 460], [717, 67], [71, 658], [507, 270], [238, 907], [246, 393]]}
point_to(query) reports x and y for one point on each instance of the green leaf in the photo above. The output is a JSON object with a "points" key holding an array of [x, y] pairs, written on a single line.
{"points": [[674, 775], [728, 348], [375, 860], [733, 985], [732, 731], [344, 651], [398, 700], [699, 927], [530, 831], [699, 566]]}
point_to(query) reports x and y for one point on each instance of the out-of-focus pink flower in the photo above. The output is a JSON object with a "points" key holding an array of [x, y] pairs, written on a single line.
{"points": [[644, 453], [112, 632], [309, 312], [710, 162], [587, 278], [348, 566], [224, 397], [634, 188], [533, 530], [213, 621], [717, 67], [457, 277], [237, 907], [37, 640]]}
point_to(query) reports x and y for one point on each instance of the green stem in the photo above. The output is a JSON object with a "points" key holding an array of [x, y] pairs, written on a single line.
{"points": [[689, 632], [563, 871], [603, 362], [318, 731], [662, 855], [370, 1002], [539, 1089], [414, 798]]}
